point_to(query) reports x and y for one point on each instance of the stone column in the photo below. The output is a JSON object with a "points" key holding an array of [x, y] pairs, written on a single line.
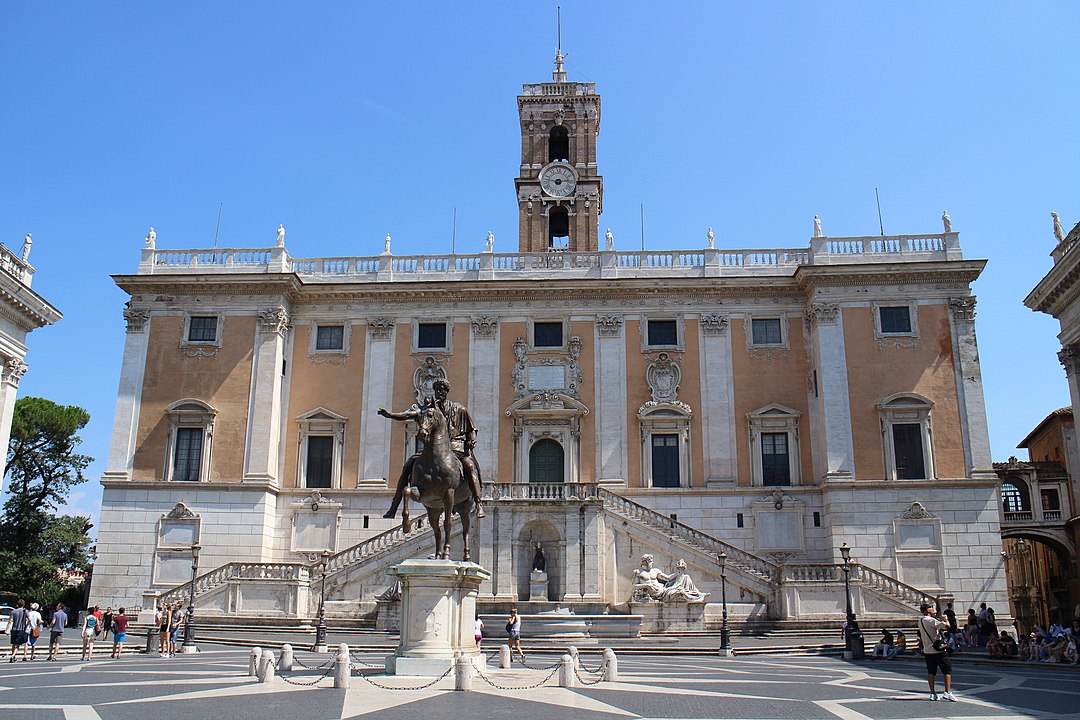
{"points": [[827, 331], [972, 404], [483, 400], [14, 369], [128, 396], [717, 402], [505, 581], [264, 408], [378, 393], [571, 589], [1069, 356], [611, 444], [594, 529]]}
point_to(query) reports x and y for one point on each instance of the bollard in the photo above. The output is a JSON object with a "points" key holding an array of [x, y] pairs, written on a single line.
{"points": [[253, 664], [566, 671], [463, 673], [285, 662], [574, 654], [504, 656], [611, 666], [342, 668], [266, 667]]}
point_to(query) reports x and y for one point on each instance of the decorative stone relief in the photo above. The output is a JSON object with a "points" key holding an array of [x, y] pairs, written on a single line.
{"points": [[963, 309], [381, 328], [768, 354], [180, 510], [609, 325], [714, 324], [14, 369], [199, 351], [823, 313], [424, 379], [485, 326], [274, 320], [663, 376], [899, 343], [915, 512], [518, 374], [1069, 357], [546, 374], [136, 319]]}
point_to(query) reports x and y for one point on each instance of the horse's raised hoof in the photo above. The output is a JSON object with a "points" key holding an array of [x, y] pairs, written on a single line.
{"points": [[389, 514], [479, 510]]}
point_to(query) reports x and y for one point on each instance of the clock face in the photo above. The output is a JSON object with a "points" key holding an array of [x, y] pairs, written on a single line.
{"points": [[558, 181]]}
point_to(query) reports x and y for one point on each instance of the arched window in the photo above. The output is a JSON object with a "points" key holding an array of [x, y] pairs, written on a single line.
{"points": [[546, 462], [191, 430], [559, 144], [1014, 496], [558, 229]]}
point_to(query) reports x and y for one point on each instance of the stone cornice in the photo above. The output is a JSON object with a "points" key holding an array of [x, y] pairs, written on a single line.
{"points": [[1058, 289], [810, 277], [24, 307]]}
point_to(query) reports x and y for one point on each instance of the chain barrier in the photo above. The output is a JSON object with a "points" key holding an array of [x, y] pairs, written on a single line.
{"points": [[299, 662], [597, 681], [603, 664], [530, 667], [523, 687], [365, 664], [421, 687], [316, 681]]}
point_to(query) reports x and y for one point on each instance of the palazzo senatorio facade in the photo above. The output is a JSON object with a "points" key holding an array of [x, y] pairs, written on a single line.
{"points": [[770, 404]]}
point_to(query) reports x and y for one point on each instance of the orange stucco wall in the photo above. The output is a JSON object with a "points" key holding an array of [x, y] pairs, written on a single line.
{"points": [[761, 382], [874, 373], [223, 381]]}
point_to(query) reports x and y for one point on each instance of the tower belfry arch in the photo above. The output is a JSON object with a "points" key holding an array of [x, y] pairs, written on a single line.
{"points": [[559, 191]]}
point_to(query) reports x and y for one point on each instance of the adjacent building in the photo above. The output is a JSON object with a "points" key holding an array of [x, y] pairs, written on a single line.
{"points": [[770, 404]]}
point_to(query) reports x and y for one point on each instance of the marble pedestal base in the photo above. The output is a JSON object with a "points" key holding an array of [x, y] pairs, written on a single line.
{"points": [[538, 586], [438, 609]]}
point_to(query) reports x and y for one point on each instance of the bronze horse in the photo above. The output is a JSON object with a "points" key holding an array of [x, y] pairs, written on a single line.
{"points": [[438, 482]]}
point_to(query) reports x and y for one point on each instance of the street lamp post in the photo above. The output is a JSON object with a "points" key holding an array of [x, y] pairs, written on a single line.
{"points": [[854, 649], [189, 622], [725, 633], [320, 629]]}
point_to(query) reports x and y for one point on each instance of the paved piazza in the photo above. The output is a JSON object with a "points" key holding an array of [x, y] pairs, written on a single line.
{"points": [[214, 684]]}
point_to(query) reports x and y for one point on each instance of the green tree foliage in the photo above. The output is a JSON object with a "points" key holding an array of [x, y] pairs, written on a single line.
{"points": [[42, 467]]}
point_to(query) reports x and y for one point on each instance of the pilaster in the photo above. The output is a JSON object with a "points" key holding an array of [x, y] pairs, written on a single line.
{"points": [[611, 445], [717, 401], [972, 404], [13, 370], [264, 405], [129, 395], [378, 393], [483, 400], [572, 559], [827, 331]]}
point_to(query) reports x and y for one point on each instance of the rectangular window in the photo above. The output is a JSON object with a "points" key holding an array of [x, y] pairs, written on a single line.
{"points": [[908, 451], [663, 333], [547, 334], [775, 466], [330, 337], [895, 320], [665, 461], [202, 328], [766, 331], [738, 519], [188, 455], [431, 336], [320, 459]]}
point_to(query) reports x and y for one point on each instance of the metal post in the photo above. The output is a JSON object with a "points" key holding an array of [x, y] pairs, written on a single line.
{"points": [[189, 621], [320, 629], [725, 632], [854, 647]]}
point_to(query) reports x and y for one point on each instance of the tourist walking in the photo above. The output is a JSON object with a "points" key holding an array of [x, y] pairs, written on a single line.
{"points": [[174, 630], [90, 628], [34, 624], [164, 621], [17, 624], [513, 629], [106, 623], [934, 651], [119, 631], [478, 631], [56, 630]]}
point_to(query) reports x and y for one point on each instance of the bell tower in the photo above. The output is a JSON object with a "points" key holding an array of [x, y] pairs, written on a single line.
{"points": [[560, 195]]}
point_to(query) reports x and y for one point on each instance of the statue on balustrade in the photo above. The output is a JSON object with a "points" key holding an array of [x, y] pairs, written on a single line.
{"points": [[462, 439], [651, 583]]}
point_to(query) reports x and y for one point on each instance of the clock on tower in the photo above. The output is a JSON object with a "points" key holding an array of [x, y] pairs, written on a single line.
{"points": [[560, 194]]}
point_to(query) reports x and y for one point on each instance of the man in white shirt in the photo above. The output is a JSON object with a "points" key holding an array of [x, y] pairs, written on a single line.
{"points": [[928, 629]]}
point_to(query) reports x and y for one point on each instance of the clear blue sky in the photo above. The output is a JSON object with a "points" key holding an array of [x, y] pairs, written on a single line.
{"points": [[346, 120]]}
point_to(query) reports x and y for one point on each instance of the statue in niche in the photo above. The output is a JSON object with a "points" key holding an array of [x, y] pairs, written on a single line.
{"points": [[539, 561], [651, 583]]}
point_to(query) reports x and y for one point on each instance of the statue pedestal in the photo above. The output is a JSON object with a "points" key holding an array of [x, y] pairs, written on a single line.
{"points": [[538, 586], [438, 609]]}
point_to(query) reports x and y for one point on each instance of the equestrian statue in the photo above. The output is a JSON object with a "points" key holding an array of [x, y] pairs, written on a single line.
{"points": [[444, 476]]}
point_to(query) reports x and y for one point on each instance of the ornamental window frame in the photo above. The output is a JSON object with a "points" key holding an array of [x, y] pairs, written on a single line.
{"points": [[785, 333], [680, 334], [906, 409], [219, 324], [913, 318], [313, 336], [774, 418], [189, 414], [531, 334], [320, 422], [665, 418], [447, 348]]}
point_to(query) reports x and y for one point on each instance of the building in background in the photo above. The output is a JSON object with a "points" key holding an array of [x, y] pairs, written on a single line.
{"points": [[770, 404], [21, 311]]}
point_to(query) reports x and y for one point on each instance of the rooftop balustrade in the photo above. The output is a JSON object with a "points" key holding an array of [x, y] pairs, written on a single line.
{"points": [[706, 262]]}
